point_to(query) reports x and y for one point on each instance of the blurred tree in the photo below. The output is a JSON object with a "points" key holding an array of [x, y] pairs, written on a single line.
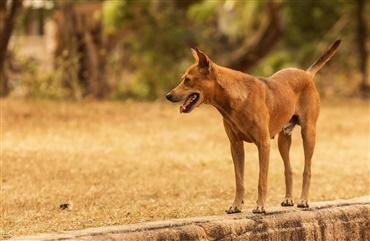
{"points": [[307, 23], [157, 32], [311, 25], [80, 49], [153, 33], [139, 49], [8, 12], [246, 55]]}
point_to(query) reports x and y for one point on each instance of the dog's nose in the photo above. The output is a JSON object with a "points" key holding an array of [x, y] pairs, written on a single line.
{"points": [[169, 96]]}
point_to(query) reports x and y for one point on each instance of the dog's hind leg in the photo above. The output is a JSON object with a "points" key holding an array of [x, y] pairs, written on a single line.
{"points": [[284, 142], [308, 132]]}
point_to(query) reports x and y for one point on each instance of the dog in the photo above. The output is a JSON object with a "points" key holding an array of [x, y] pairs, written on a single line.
{"points": [[254, 110]]}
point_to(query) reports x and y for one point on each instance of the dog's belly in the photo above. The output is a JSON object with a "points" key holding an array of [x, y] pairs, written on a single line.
{"points": [[287, 127], [281, 111]]}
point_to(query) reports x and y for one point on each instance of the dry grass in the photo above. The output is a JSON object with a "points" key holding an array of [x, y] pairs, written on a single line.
{"points": [[123, 163]]}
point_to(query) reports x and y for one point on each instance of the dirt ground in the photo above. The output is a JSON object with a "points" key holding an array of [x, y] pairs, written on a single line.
{"points": [[125, 162]]}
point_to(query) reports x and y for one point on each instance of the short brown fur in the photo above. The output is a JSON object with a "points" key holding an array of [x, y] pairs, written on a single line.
{"points": [[254, 110]]}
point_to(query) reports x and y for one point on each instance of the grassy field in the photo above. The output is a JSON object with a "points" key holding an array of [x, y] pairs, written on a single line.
{"points": [[121, 163]]}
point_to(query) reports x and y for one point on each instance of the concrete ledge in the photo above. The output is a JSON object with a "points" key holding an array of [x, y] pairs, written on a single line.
{"points": [[333, 220]]}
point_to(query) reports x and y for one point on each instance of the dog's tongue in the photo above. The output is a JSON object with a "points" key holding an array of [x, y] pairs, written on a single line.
{"points": [[182, 108], [185, 105]]}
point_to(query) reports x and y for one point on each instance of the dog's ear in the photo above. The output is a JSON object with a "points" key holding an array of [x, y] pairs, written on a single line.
{"points": [[195, 55], [203, 60]]}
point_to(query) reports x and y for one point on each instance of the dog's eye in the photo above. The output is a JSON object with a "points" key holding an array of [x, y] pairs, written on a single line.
{"points": [[186, 80]]}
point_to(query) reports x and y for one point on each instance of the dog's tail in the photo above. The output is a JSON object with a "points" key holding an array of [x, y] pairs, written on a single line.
{"points": [[324, 58]]}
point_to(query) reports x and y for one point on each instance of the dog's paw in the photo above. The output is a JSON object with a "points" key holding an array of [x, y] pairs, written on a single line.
{"points": [[287, 202], [303, 203], [259, 210], [234, 209]]}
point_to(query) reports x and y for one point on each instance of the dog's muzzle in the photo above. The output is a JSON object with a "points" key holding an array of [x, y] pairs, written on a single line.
{"points": [[190, 101], [169, 97]]}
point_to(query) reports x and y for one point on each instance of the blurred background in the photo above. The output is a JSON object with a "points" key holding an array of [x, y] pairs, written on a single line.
{"points": [[128, 49], [129, 159]]}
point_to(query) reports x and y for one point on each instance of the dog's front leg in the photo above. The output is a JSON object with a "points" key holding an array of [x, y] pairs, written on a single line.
{"points": [[237, 152], [264, 157]]}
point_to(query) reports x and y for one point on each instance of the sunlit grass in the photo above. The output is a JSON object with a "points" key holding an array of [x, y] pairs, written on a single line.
{"points": [[123, 163]]}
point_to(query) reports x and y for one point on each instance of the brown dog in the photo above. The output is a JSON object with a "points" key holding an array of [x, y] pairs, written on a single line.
{"points": [[254, 110]]}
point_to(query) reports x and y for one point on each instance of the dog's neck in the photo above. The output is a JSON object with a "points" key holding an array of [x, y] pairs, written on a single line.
{"points": [[230, 89]]}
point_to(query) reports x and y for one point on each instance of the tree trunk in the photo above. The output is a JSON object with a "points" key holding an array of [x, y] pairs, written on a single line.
{"points": [[363, 52], [7, 18], [265, 39], [97, 86], [81, 51]]}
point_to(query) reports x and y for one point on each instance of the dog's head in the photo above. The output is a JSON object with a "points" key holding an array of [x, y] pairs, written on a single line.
{"points": [[196, 85]]}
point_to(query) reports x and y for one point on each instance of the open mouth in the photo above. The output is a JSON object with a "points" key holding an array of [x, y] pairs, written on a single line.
{"points": [[189, 103]]}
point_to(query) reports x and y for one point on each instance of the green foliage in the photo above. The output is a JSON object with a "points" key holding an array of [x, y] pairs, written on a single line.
{"points": [[307, 23], [116, 13], [160, 39], [201, 12], [161, 34], [33, 82], [155, 48], [310, 27], [155, 38]]}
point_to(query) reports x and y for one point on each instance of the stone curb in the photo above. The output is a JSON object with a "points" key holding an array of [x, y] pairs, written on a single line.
{"points": [[332, 220]]}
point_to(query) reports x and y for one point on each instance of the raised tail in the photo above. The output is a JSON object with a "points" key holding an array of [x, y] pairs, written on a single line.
{"points": [[324, 58]]}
